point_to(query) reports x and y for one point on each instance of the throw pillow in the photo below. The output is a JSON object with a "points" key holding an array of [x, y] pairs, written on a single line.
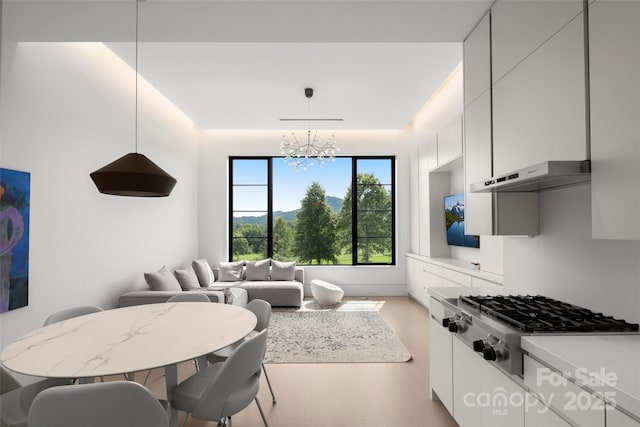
{"points": [[187, 279], [258, 270], [283, 270], [162, 280], [203, 272], [230, 271]]}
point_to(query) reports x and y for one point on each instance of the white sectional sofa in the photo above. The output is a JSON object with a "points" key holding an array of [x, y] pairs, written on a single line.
{"points": [[279, 287]]}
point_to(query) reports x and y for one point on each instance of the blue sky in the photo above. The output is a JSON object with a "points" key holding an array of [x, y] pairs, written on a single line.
{"points": [[290, 186]]}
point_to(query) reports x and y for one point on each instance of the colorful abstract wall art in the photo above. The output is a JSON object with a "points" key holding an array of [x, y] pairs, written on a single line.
{"points": [[15, 188]]}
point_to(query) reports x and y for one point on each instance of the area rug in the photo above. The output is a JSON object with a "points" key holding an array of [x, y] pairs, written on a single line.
{"points": [[350, 332]]}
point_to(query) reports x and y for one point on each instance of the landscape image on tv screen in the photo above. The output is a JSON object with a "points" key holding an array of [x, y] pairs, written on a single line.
{"points": [[454, 218]]}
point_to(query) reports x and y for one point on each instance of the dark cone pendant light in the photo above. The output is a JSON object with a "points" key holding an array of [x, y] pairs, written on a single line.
{"points": [[134, 174]]}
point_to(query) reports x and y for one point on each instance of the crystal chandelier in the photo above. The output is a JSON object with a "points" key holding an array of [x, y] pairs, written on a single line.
{"points": [[309, 151]]}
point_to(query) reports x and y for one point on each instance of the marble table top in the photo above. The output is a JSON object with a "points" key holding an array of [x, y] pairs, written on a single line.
{"points": [[127, 339]]}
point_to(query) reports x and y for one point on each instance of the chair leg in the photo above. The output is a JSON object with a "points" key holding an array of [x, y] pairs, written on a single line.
{"points": [[273, 396], [147, 377], [264, 420]]}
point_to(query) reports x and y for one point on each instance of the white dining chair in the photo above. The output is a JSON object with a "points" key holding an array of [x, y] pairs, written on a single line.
{"points": [[109, 404], [16, 398], [221, 390], [70, 313], [262, 311]]}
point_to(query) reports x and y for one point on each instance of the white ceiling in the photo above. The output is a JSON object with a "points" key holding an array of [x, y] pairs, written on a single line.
{"points": [[245, 64]]}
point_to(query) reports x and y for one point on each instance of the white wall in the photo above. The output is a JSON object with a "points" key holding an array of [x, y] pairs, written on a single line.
{"points": [[564, 262], [217, 146], [67, 110]]}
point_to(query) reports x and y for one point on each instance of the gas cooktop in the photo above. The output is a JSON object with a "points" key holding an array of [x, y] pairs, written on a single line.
{"points": [[541, 314]]}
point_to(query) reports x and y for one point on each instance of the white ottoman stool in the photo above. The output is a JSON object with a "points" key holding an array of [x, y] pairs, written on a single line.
{"points": [[326, 293]]}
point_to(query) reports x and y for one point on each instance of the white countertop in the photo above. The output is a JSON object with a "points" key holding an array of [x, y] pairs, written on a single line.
{"points": [[613, 358], [460, 266], [441, 293]]}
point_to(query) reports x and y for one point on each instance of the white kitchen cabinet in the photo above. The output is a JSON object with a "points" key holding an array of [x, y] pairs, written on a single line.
{"points": [[478, 159], [539, 415], [476, 282], [467, 385], [487, 213], [428, 155], [565, 397], [539, 107], [614, 60], [483, 396], [424, 230], [414, 196], [615, 418], [450, 141], [422, 275], [519, 27], [477, 60], [440, 359], [416, 284]]}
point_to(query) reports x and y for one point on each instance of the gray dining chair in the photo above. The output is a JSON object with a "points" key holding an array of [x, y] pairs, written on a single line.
{"points": [[221, 390], [262, 311], [185, 297], [70, 313], [110, 404], [16, 398], [189, 297]]}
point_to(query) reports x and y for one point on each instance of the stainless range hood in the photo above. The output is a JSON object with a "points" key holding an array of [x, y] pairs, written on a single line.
{"points": [[543, 176]]}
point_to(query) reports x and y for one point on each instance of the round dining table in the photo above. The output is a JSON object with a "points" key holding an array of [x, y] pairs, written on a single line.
{"points": [[129, 339]]}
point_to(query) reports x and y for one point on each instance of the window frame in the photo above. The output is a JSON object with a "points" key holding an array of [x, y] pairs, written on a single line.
{"points": [[354, 211]]}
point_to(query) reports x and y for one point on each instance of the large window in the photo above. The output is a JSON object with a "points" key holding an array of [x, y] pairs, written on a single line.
{"points": [[342, 213]]}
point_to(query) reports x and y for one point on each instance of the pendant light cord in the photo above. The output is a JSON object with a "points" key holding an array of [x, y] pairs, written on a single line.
{"points": [[136, 70]]}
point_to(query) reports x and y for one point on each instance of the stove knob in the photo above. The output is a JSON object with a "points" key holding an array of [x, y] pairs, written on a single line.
{"points": [[457, 327], [489, 353], [446, 321], [495, 353], [479, 345]]}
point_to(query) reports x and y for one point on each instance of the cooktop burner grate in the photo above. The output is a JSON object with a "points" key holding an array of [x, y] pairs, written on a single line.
{"points": [[541, 314]]}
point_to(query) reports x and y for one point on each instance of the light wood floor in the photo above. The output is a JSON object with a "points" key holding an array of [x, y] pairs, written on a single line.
{"points": [[348, 394]]}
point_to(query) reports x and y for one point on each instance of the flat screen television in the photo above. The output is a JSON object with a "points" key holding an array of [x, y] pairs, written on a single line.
{"points": [[454, 219]]}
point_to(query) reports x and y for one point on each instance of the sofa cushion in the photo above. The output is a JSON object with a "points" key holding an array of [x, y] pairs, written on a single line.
{"points": [[162, 280], [230, 271], [258, 270], [203, 272], [276, 293], [187, 278], [283, 270]]}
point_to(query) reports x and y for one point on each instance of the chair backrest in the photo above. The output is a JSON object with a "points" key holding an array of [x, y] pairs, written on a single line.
{"points": [[239, 375], [262, 310], [70, 313], [109, 404], [189, 297], [7, 381]]}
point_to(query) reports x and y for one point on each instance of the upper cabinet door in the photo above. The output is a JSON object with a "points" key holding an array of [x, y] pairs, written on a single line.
{"points": [[520, 27], [614, 46], [477, 61], [539, 107], [450, 141]]}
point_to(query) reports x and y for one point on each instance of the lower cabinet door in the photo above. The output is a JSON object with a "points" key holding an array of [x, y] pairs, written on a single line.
{"points": [[503, 400], [615, 418], [467, 385], [440, 363], [538, 415]]}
